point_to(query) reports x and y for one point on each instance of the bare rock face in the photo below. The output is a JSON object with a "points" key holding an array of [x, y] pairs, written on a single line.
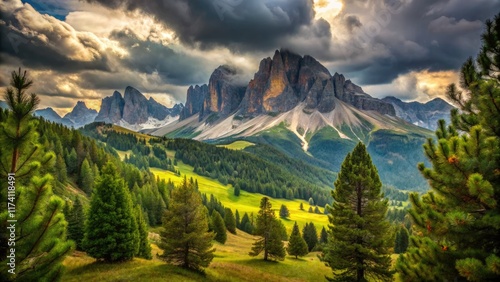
{"points": [[225, 92], [194, 102], [135, 109], [111, 108], [289, 79]]}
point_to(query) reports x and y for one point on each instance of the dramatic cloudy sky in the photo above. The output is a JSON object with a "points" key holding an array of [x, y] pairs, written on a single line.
{"points": [[86, 49]]}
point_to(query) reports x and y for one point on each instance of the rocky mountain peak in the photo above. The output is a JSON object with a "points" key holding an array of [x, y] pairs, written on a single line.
{"points": [[80, 115], [289, 79]]}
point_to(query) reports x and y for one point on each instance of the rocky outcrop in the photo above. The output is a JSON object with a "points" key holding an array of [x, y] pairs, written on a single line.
{"points": [[111, 108], [80, 115], [425, 115], [135, 108], [50, 115], [194, 102], [289, 79], [225, 92]]}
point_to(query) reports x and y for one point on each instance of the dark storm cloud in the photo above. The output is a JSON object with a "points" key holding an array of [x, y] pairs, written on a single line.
{"points": [[236, 24], [401, 36], [152, 57], [43, 42]]}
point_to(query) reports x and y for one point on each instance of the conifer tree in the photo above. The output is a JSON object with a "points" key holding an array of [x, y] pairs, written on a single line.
{"points": [[76, 223], [40, 230], [301, 207], [229, 220], [237, 219], [185, 239], [358, 247], [456, 230], [296, 245], [246, 225], [86, 177], [144, 249], [402, 240], [323, 237], [310, 235], [111, 232], [219, 227], [268, 230], [284, 212]]}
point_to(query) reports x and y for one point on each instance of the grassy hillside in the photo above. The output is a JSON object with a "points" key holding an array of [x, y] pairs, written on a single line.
{"points": [[231, 263], [237, 145], [246, 202]]}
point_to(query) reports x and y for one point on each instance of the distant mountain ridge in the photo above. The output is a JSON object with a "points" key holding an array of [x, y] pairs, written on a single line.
{"points": [[425, 115], [135, 111], [81, 115]]}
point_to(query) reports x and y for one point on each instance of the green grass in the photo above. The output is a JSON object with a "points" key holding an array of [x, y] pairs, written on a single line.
{"points": [[231, 263], [246, 202], [237, 145]]}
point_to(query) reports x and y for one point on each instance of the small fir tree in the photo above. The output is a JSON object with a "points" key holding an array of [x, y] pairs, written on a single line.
{"points": [[111, 232], [219, 227], [185, 239], [229, 220], [401, 241], [267, 229], [284, 212], [297, 246], [76, 223], [310, 235], [144, 249]]}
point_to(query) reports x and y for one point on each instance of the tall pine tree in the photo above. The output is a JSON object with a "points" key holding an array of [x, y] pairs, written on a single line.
{"points": [[297, 246], [40, 230], [358, 247], [268, 229], [456, 224], [185, 239], [111, 232]]}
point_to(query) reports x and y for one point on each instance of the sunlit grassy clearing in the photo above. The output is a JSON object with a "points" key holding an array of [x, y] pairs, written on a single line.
{"points": [[237, 145], [246, 202]]}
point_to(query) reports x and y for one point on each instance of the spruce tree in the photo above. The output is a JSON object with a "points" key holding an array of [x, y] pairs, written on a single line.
{"points": [[456, 230], [185, 239], [237, 219], [310, 235], [40, 227], [86, 177], [296, 245], [219, 227], [284, 212], [111, 232], [401, 241], [268, 230], [358, 245], [323, 237], [144, 249], [76, 223], [229, 220]]}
